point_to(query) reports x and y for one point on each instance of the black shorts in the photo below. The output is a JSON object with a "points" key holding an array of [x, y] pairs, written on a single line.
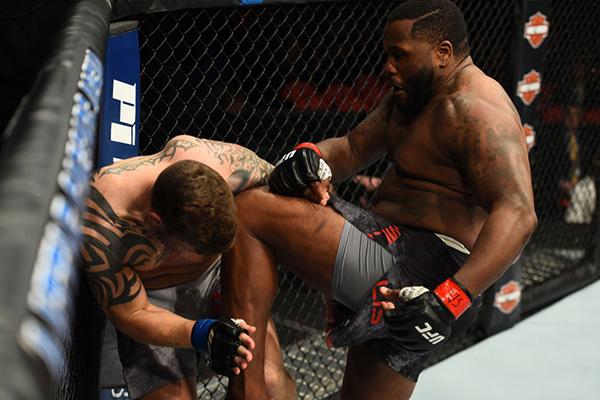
{"points": [[418, 258], [143, 368]]}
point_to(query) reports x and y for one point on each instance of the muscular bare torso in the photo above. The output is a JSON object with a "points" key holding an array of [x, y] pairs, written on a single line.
{"points": [[121, 253], [426, 185]]}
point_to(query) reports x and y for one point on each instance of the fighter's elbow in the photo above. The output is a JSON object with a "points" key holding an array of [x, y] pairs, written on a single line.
{"points": [[527, 220]]}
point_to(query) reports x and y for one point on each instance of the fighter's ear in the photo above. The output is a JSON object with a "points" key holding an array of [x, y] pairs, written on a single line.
{"points": [[444, 52], [154, 219]]}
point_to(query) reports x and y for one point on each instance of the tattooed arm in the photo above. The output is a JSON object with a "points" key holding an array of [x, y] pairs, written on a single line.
{"points": [[241, 168], [489, 145], [111, 248]]}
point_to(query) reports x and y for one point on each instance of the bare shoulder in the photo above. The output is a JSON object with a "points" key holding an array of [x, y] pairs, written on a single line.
{"points": [[177, 148], [484, 136], [102, 223], [480, 108], [112, 247]]}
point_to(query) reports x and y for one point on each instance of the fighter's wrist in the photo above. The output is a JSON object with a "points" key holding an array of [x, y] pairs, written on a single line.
{"points": [[200, 332], [310, 146], [455, 296]]}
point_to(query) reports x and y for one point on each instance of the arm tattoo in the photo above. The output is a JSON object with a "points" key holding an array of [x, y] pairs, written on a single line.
{"points": [[104, 260], [491, 155], [245, 167], [165, 154]]}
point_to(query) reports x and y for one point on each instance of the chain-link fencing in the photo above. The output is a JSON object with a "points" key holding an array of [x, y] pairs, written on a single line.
{"points": [[268, 77]]}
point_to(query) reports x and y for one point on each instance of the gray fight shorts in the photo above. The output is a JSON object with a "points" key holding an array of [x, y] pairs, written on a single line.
{"points": [[374, 252], [143, 368]]}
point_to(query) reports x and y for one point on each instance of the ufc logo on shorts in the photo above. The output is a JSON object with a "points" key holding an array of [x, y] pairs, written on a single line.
{"points": [[431, 337], [124, 130]]}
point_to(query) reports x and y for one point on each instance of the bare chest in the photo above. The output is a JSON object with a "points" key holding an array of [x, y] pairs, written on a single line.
{"points": [[416, 149]]}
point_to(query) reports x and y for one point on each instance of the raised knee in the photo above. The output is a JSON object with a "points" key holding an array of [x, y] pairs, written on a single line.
{"points": [[252, 199]]}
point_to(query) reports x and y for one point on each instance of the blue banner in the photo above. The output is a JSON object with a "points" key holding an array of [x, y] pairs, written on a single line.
{"points": [[119, 128], [114, 394]]}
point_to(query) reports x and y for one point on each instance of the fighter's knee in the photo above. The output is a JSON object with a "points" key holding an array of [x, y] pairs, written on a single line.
{"points": [[251, 198], [279, 383]]}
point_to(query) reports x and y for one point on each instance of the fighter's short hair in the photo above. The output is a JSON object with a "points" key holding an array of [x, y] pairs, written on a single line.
{"points": [[435, 21], [196, 206]]}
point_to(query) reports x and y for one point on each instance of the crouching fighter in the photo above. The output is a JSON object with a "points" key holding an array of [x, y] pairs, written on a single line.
{"points": [[154, 230], [450, 216]]}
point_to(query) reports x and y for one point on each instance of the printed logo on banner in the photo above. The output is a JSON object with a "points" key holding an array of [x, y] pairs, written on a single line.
{"points": [[536, 30], [119, 393], [124, 130], [529, 87], [529, 135], [508, 297], [119, 128]]}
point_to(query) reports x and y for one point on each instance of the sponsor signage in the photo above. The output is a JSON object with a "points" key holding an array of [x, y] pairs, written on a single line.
{"points": [[536, 30], [529, 87], [112, 394], [529, 63], [508, 297], [529, 136], [119, 129]]}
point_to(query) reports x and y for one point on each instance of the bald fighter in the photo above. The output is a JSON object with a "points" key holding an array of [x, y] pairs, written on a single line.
{"points": [[450, 216], [154, 229]]}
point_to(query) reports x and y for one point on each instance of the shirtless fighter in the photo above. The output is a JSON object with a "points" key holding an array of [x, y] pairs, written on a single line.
{"points": [[450, 216], [154, 229]]}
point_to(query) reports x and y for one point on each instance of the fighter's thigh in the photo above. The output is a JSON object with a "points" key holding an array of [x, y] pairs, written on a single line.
{"points": [[304, 236], [365, 377]]}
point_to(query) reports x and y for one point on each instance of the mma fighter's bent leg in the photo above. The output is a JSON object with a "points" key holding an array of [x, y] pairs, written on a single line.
{"points": [[304, 238]]}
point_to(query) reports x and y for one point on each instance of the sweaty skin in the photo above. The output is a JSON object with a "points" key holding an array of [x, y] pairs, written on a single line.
{"points": [[123, 257], [460, 168]]}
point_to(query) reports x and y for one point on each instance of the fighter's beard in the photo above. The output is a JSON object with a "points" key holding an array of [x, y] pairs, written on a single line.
{"points": [[420, 92]]}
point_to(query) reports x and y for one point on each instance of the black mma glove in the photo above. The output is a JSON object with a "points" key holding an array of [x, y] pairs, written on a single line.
{"points": [[220, 339], [422, 320], [297, 169]]}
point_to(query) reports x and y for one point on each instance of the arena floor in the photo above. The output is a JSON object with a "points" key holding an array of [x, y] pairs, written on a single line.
{"points": [[552, 355]]}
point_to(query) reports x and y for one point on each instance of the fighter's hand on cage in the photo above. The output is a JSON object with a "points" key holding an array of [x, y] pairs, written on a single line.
{"points": [[227, 343], [420, 319], [302, 173]]}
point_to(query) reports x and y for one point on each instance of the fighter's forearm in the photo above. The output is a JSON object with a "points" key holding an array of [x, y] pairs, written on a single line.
{"points": [[338, 154], [156, 326], [247, 169], [362, 146], [503, 237]]}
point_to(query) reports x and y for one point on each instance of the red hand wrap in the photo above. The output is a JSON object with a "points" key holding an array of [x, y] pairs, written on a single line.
{"points": [[310, 146], [455, 296]]}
